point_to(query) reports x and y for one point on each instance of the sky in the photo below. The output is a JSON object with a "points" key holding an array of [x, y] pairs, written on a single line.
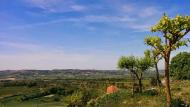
{"points": [[78, 34]]}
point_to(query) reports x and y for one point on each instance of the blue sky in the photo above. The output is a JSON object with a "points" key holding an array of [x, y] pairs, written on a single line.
{"points": [[84, 34]]}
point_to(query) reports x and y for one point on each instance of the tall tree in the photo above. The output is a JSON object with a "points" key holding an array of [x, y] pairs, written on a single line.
{"points": [[173, 31]]}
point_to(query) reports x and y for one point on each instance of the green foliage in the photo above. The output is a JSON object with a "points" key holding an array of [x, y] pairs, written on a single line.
{"points": [[180, 66], [144, 63], [127, 62], [80, 97], [174, 26], [173, 30], [155, 42], [135, 64], [75, 100], [153, 55]]}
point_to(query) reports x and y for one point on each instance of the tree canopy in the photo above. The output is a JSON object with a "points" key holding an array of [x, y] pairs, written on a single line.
{"points": [[173, 30], [127, 62], [180, 66]]}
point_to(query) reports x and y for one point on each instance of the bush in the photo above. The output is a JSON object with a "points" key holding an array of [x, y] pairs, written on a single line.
{"points": [[80, 97], [75, 100], [153, 81], [151, 92], [56, 98], [178, 103], [34, 95], [60, 91]]}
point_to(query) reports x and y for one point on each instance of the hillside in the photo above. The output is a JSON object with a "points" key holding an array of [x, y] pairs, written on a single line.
{"points": [[65, 74]]}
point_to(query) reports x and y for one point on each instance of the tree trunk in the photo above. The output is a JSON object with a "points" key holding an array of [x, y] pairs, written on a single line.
{"points": [[133, 80], [140, 85], [157, 75], [167, 81]]}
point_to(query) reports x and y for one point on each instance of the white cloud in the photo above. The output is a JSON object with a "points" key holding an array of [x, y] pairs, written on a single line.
{"points": [[78, 7], [104, 18], [149, 12], [145, 16], [139, 11], [84, 19], [127, 8], [55, 6], [132, 16], [140, 27]]}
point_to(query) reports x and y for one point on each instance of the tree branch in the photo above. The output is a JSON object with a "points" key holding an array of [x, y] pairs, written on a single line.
{"points": [[158, 50], [187, 31], [136, 75]]}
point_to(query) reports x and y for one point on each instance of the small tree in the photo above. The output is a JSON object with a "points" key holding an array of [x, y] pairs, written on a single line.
{"points": [[137, 66], [156, 57], [143, 64], [173, 31], [128, 63]]}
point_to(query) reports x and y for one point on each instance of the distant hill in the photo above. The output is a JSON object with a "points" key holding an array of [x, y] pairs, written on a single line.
{"points": [[65, 74]]}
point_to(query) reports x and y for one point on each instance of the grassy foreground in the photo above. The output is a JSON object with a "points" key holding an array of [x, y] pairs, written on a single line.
{"points": [[180, 95], [152, 96]]}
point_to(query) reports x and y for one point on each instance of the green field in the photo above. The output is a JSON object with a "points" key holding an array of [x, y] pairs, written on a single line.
{"points": [[32, 104]]}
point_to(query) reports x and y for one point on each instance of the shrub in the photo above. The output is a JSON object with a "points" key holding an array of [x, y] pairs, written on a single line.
{"points": [[56, 98], [179, 103], [34, 95], [75, 100], [151, 92], [153, 81], [108, 100], [80, 97]]}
